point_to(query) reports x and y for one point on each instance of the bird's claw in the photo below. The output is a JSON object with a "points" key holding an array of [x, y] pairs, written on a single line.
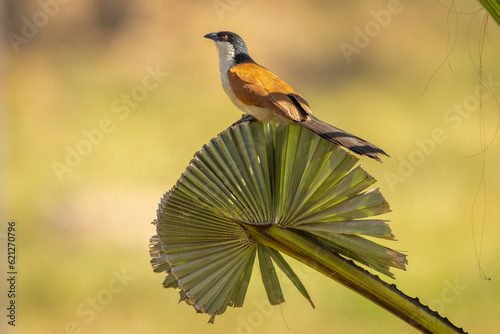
{"points": [[245, 118]]}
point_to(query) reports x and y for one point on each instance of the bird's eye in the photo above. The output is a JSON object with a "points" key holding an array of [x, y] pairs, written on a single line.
{"points": [[223, 37]]}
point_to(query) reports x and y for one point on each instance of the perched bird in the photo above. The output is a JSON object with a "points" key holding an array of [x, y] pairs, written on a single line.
{"points": [[260, 93]]}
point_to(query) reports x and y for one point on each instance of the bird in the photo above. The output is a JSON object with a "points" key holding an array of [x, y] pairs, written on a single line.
{"points": [[264, 97]]}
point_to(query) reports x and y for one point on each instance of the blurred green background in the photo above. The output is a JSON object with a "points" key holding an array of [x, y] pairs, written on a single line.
{"points": [[76, 77]]}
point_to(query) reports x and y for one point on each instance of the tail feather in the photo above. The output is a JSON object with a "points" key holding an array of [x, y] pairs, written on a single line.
{"points": [[343, 138]]}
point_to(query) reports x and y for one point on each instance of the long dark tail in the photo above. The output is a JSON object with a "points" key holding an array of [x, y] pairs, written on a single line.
{"points": [[343, 138]]}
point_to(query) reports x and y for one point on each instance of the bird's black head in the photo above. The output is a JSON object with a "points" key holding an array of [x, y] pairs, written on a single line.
{"points": [[230, 45]]}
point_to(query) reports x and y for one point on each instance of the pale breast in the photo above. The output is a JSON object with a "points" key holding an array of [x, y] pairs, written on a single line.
{"points": [[262, 114]]}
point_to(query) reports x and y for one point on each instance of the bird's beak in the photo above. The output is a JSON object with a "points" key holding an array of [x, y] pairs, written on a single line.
{"points": [[212, 36]]}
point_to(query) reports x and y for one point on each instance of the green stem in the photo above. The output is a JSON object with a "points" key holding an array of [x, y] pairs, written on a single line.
{"points": [[305, 249], [493, 7]]}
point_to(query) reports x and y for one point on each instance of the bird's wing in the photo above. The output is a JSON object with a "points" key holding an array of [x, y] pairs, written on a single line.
{"points": [[256, 86]]}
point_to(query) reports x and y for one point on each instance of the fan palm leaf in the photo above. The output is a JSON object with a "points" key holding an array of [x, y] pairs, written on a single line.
{"points": [[256, 173]]}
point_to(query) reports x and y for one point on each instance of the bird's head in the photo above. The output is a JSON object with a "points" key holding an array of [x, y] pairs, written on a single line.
{"points": [[230, 46]]}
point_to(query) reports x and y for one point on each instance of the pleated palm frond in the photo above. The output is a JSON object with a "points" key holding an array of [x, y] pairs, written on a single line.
{"points": [[263, 174]]}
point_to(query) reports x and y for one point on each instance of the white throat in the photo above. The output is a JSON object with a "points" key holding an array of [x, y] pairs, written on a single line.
{"points": [[226, 56]]}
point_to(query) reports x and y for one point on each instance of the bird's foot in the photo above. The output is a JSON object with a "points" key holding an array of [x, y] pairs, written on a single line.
{"points": [[245, 118]]}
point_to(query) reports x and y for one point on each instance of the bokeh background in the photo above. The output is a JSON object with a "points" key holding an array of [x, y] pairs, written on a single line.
{"points": [[411, 86]]}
